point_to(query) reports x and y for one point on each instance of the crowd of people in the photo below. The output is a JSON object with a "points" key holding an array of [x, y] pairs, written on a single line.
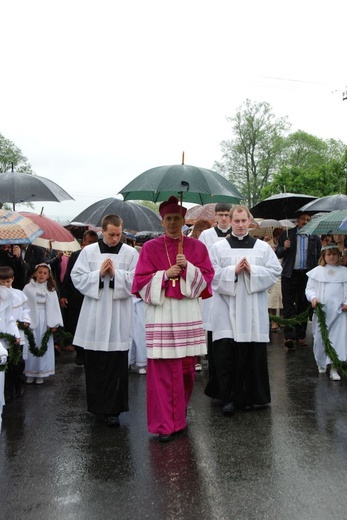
{"points": [[166, 306]]}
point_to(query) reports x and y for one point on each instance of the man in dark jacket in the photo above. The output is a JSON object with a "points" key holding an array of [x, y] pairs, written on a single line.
{"points": [[10, 255], [300, 253], [32, 256], [71, 299]]}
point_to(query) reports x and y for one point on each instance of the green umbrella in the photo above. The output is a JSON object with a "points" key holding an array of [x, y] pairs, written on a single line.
{"points": [[190, 183], [327, 223]]}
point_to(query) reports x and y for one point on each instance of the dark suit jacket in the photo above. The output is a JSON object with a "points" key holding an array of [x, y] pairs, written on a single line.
{"points": [[74, 297], [33, 255], [288, 255], [18, 267]]}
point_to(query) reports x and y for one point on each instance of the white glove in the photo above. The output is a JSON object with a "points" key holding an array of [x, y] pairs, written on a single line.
{"points": [[3, 360]]}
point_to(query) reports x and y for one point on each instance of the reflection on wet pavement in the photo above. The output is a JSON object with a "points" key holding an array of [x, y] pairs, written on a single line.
{"points": [[287, 461]]}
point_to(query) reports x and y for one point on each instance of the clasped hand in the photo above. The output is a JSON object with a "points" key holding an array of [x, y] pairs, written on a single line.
{"points": [[175, 270], [243, 265], [107, 267]]}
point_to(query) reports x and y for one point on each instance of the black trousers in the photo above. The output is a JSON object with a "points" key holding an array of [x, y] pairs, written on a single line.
{"points": [[294, 302], [14, 378]]}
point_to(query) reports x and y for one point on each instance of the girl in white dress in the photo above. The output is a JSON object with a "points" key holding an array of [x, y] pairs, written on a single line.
{"points": [[327, 284], [44, 313]]}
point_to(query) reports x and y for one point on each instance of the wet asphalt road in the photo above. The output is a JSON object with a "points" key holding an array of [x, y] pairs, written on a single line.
{"points": [[285, 462]]}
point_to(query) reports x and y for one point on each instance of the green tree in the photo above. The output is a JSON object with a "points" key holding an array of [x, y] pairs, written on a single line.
{"points": [[309, 165], [149, 204], [12, 157], [252, 157]]}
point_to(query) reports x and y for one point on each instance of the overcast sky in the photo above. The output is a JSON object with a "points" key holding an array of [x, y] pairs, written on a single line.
{"points": [[96, 92]]}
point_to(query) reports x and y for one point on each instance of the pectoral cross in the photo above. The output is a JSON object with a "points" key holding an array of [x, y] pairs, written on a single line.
{"points": [[173, 281]]}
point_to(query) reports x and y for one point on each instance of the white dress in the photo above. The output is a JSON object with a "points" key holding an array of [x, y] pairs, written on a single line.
{"points": [[44, 312], [329, 285], [3, 358]]}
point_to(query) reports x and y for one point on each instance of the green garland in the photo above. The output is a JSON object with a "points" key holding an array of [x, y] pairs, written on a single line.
{"points": [[301, 318], [14, 351], [290, 322], [36, 351], [329, 349]]}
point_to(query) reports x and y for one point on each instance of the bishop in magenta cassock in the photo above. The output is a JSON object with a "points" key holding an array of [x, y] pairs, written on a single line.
{"points": [[172, 274]]}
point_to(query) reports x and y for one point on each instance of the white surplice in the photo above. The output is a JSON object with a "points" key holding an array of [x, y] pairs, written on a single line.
{"points": [[240, 304], [106, 319], [208, 237]]}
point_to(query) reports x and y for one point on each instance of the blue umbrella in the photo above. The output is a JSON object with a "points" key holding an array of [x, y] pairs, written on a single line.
{"points": [[342, 230]]}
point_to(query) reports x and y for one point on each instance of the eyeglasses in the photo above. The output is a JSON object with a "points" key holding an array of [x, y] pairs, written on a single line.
{"points": [[225, 215]]}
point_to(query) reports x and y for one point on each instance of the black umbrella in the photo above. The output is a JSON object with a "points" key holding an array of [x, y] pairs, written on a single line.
{"points": [[17, 187], [135, 216], [326, 204], [280, 206]]}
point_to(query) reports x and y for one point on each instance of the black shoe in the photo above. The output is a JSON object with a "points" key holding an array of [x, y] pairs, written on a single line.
{"points": [[79, 361], [289, 343], [228, 409], [19, 392], [165, 438], [112, 420]]}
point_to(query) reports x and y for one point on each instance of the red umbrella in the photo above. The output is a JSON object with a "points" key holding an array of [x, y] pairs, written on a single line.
{"points": [[54, 236], [201, 212]]}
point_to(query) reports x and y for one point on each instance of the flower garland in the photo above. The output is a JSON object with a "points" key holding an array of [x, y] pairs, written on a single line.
{"points": [[320, 313]]}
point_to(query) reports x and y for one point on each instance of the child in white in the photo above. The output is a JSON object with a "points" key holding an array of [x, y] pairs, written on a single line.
{"points": [[7, 326], [327, 284], [3, 359], [44, 312], [20, 311]]}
